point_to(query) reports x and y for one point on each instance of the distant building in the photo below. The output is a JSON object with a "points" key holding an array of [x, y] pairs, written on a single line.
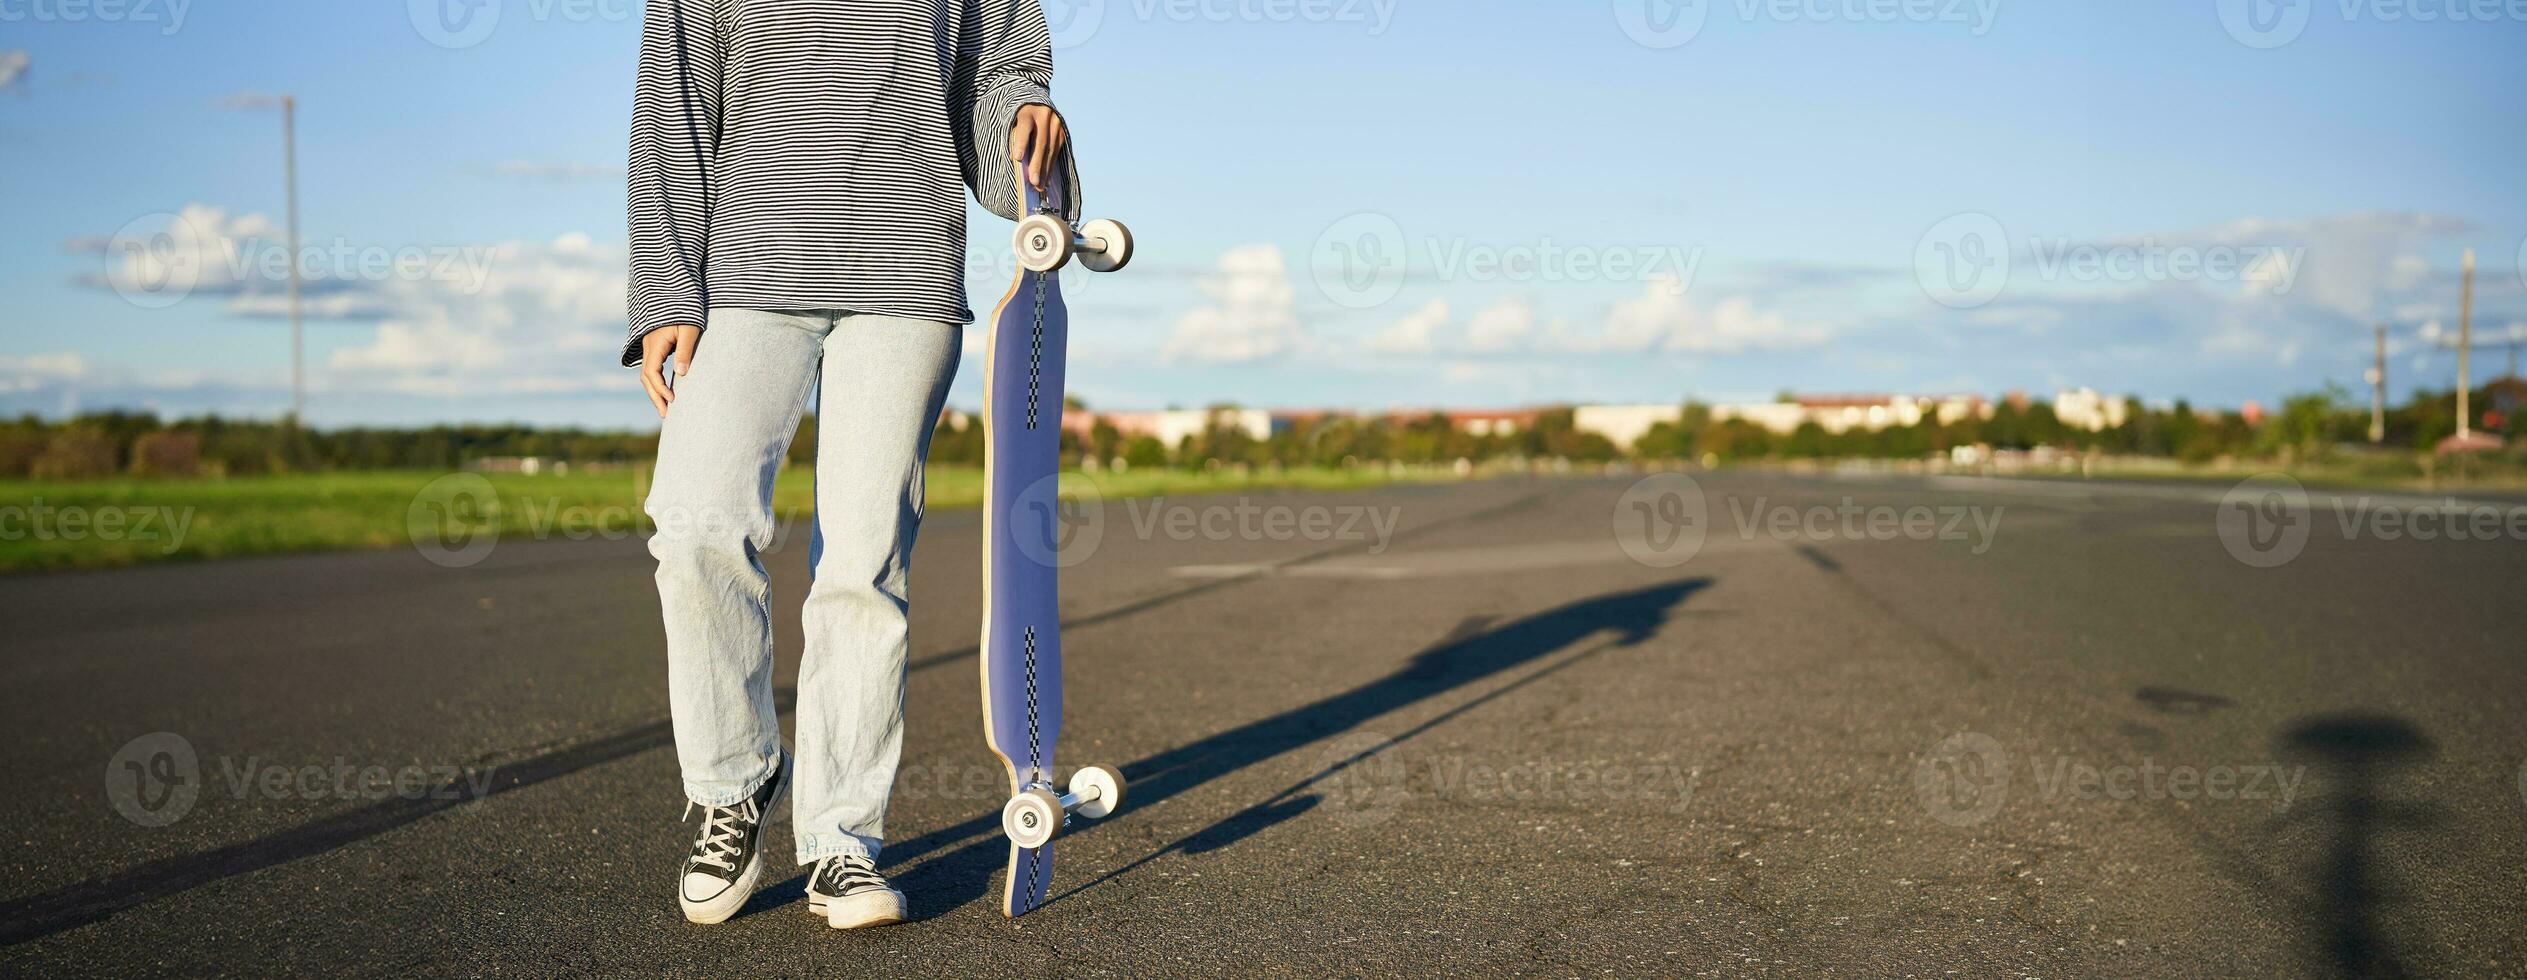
{"points": [[1623, 425], [2084, 408], [1171, 426], [2504, 398], [1864, 413], [1492, 423]]}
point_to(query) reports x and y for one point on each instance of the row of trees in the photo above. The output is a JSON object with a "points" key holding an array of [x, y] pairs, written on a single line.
{"points": [[139, 444]]}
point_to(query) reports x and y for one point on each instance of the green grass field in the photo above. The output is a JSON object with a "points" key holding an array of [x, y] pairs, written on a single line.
{"points": [[51, 525]]}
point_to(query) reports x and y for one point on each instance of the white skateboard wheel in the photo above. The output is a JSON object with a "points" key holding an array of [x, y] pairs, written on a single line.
{"points": [[1110, 245], [1043, 243], [1098, 789], [1031, 818]]}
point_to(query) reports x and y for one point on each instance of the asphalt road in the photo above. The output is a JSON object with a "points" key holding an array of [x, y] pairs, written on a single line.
{"points": [[1870, 726]]}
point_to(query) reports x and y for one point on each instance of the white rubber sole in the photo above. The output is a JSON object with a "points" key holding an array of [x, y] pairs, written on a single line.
{"points": [[862, 911], [726, 903]]}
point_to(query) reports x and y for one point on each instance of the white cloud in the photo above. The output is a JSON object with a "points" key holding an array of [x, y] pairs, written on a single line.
{"points": [[2031, 319], [544, 318], [199, 250], [559, 172], [31, 372], [444, 320], [1416, 333], [2344, 264], [1250, 317], [1503, 327], [1664, 319]]}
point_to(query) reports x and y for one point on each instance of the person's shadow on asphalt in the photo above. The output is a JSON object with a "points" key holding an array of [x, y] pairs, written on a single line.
{"points": [[943, 882]]}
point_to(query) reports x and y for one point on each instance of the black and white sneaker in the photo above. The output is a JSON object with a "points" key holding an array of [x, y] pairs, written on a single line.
{"points": [[727, 859], [850, 894]]}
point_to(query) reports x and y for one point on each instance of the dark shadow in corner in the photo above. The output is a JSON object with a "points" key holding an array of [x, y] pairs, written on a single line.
{"points": [[951, 879], [2358, 755]]}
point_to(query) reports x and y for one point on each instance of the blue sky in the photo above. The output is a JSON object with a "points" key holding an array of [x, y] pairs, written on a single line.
{"points": [[1361, 203]]}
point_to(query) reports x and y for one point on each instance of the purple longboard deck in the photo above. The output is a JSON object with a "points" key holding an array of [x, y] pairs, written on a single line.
{"points": [[1022, 636]]}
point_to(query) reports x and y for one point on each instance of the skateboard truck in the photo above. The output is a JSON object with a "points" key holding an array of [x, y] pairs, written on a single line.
{"points": [[1032, 817], [1044, 242]]}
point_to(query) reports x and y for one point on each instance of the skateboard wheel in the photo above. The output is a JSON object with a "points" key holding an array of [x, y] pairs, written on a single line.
{"points": [[1043, 243], [1098, 789], [1031, 818], [1115, 250]]}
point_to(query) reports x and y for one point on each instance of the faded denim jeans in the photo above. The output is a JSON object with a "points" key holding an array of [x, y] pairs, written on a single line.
{"points": [[880, 382]]}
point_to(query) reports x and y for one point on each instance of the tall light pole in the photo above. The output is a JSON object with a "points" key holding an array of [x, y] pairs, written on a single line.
{"points": [[2378, 391], [298, 344], [2465, 351]]}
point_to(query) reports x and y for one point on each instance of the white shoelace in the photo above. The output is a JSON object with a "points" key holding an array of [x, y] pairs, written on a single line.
{"points": [[723, 837], [844, 876]]}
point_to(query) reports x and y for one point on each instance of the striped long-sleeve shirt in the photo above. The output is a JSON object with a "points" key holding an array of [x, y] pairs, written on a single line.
{"points": [[807, 154]]}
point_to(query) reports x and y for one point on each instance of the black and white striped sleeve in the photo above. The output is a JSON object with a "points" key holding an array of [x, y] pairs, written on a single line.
{"points": [[675, 142], [1008, 57]]}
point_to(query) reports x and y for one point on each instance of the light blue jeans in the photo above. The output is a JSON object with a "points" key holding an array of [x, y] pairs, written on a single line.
{"points": [[880, 382]]}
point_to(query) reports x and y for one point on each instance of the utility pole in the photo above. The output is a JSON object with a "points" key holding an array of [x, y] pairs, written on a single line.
{"points": [[298, 344], [2465, 351], [2378, 391]]}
